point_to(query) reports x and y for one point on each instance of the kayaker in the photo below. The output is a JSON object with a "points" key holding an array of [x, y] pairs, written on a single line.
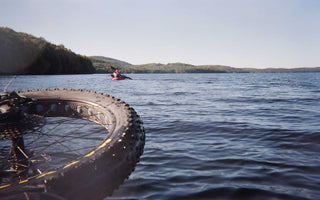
{"points": [[116, 73]]}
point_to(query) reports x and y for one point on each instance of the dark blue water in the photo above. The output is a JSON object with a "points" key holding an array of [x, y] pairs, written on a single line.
{"points": [[216, 136]]}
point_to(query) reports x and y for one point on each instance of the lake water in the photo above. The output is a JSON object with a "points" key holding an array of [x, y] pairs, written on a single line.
{"points": [[215, 136]]}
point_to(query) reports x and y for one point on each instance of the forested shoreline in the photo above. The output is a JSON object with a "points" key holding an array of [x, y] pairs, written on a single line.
{"points": [[105, 65], [22, 53]]}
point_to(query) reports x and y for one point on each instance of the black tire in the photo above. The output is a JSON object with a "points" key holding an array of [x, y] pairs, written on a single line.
{"points": [[96, 174]]}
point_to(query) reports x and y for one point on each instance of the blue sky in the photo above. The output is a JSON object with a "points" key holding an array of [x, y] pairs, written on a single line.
{"points": [[237, 33]]}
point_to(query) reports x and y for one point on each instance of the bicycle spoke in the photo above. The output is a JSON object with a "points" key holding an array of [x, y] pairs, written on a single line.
{"points": [[51, 144], [53, 140]]}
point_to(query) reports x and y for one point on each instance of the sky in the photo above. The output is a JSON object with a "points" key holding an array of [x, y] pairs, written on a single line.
{"points": [[237, 33]]}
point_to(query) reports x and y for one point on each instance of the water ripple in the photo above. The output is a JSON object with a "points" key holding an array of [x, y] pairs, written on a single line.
{"points": [[216, 136]]}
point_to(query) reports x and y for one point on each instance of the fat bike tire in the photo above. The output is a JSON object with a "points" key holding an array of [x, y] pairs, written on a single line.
{"points": [[98, 173]]}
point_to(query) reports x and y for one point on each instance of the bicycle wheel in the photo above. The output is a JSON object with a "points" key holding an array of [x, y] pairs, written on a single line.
{"points": [[88, 170]]}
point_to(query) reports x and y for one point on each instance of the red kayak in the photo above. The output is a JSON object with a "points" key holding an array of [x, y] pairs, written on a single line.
{"points": [[122, 77], [118, 78]]}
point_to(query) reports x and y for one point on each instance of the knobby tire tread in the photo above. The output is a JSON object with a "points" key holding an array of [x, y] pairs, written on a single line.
{"points": [[98, 173]]}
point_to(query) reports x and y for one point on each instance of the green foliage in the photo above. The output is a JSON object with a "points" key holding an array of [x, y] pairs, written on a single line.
{"points": [[22, 53], [105, 66]]}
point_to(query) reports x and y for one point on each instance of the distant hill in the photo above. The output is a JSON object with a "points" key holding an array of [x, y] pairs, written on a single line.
{"points": [[22, 53], [109, 60], [179, 68], [105, 64]]}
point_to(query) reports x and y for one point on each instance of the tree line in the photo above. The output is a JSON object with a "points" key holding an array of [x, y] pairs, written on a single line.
{"points": [[103, 65], [22, 53]]}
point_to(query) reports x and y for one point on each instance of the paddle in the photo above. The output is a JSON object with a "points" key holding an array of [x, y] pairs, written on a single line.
{"points": [[127, 77]]}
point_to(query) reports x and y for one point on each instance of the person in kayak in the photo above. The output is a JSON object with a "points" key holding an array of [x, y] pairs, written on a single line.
{"points": [[116, 73]]}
